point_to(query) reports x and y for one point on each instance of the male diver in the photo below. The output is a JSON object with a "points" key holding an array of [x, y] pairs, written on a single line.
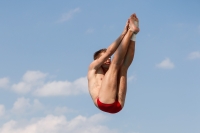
{"points": [[107, 80]]}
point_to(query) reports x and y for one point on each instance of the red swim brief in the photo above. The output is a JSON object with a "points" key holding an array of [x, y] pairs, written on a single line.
{"points": [[110, 108]]}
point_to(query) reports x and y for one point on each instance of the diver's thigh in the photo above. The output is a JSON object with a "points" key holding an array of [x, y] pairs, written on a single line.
{"points": [[108, 90]]}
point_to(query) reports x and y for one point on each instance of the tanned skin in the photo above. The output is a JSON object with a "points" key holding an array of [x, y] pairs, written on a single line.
{"points": [[107, 80]]}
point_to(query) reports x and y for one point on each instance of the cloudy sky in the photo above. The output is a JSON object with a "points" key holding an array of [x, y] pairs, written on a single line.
{"points": [[46, 47]]}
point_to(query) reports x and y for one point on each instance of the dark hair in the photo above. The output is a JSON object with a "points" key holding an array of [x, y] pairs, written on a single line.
{"points": [[97, 53]]}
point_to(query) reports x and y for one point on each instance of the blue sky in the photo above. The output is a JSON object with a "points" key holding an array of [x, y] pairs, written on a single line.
{"points": [[45, 50]]}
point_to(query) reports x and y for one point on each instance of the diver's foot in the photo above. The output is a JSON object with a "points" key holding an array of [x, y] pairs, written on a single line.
{"points": [[133, 23]]}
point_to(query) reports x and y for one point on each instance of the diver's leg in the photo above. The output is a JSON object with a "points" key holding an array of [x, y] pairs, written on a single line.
{"points": [[109, 86], [108, 90], [122, 77]]}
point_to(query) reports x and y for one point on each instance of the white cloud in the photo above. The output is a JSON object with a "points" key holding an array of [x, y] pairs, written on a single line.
{"points": [[165, 64], [66, 16], [132, 78], [23, 105], [62, 110], [4, 82], [57, 88], [58, 124], [194, 55], [37, 105], [30, 80], [33, 76], [34, 82], [2, 110], [22, 87]]}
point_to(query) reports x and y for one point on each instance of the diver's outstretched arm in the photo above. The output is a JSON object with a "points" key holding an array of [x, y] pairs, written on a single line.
{"points": [[111, 49]]}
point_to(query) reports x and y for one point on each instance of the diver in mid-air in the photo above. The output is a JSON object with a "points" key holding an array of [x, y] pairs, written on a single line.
{"points": [[107, 80]]}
